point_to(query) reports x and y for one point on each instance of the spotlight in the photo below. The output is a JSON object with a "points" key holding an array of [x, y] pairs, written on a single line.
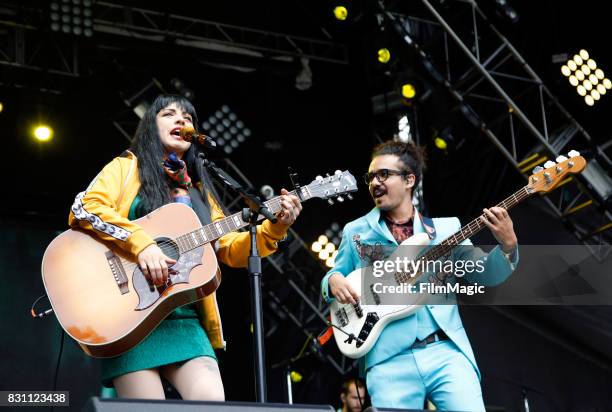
{"points": [[71, 20], [384, 55], [43, 133], [440, 143], [326, 245], [1, 107], [226, 129], [340, 13], [408, 91], [589, 80], [403, 128]]}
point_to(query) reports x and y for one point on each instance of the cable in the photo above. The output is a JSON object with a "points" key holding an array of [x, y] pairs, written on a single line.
{"points": [[41, 314], [57, 365], [357, 382]]}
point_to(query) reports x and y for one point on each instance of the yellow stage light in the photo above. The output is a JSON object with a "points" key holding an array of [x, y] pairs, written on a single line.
{"points": [[440, 143], [408, 91], [341, 13], [43, 133], [384, 55]]}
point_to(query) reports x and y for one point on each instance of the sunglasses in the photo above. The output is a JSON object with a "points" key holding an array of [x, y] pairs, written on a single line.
{"points": [[383, 174]]}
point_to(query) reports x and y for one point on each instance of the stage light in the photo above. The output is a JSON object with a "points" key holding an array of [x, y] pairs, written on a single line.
{"points": [[316, 247], [403, 128], [581, 90], [340, 13], [323, 255], [578, 60], [572, 65], [565, 70], [296, 377], [585, 69], [595, 95], [1, 107], [588, 99], [323, 240], [573, 80], [587, 85], [593, 79], [601, 89], [600, 74], [226, 129], [75, 19], [584, 54], [440, 143], [591, 63], [607, 84], [408, 91], [43, 133], [384, 55], [579, 75], [330, 247]]}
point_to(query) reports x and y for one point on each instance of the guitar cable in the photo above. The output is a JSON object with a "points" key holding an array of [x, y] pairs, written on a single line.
{"points": [[41, 314]]}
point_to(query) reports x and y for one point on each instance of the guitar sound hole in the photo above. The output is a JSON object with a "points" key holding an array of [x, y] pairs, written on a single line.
{"points": [[168, 246]]}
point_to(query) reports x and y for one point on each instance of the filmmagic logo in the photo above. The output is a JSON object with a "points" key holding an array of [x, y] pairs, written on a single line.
{"points": [[404, 265], [430, 288]]}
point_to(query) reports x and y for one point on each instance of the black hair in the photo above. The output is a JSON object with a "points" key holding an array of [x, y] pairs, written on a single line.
{"points": [[147, 146], [412, 156]]}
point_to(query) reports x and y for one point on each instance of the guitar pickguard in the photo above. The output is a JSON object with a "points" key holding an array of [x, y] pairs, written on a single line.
{"points": [[148, 293]]}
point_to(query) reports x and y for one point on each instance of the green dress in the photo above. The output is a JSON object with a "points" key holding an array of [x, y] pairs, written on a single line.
{"points": [[178, 338]]}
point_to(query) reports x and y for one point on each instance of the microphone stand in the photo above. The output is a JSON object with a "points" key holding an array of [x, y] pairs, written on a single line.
{"points": [[250, 215]]}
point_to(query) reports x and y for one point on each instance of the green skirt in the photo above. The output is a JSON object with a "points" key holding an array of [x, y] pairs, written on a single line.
{"points": [[178, 338]]}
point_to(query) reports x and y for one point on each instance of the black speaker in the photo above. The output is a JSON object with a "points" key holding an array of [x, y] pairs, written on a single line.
{"points": [[96, 404]]}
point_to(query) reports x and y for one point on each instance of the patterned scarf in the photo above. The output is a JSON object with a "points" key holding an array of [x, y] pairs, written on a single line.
{"points": [[180, 181], [400, 230]]}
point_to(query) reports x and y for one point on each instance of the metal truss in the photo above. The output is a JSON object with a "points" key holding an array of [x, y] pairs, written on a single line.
{"points": [[23, 47], [499, 93], [137, 23]]}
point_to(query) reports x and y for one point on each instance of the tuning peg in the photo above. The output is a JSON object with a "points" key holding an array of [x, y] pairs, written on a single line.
{"points": [[537, 169], [549, 163], [330, 201], [561, 159], [349, 196], [573, 153], [319, 178], [340, 199], [338, 172]]}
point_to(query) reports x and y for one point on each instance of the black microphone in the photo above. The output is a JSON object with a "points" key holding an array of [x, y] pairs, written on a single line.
{"points": [[189, 134]]}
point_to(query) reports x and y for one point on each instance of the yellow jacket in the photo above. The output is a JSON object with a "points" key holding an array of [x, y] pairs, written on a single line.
{"points": [[104, 206]]}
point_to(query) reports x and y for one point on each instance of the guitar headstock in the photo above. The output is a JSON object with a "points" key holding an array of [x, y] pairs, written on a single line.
{"points": [[544, 179], [330, 187]]}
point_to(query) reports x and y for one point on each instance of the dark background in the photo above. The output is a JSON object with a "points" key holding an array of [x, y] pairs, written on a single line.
{"points": [[560, 356]]}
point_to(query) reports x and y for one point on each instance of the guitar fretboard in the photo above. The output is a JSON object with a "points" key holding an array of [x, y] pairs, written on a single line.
{"points": [[475, 226], [221, 227]]}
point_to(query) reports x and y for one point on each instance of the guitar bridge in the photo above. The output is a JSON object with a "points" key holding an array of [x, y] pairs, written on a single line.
{"points": [[342, 317], [118, 272]]}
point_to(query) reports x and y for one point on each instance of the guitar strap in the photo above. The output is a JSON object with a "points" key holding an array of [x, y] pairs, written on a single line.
{"points": [[199, 207], [428, 224]]}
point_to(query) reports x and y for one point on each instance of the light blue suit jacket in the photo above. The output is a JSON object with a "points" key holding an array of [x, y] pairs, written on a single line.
{"points": [[401, 334]]}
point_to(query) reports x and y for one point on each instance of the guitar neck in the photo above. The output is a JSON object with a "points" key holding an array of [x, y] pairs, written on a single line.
{"points": [[221, 227], [474, 226]]}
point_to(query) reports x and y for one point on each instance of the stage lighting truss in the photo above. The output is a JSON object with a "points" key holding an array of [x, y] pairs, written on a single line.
{"points": [[326, 245], [72, 17], [226, 129], [590, 81]]}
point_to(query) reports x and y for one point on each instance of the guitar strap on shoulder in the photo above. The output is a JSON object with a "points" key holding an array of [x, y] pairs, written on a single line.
{"points": [[428, 224]]}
